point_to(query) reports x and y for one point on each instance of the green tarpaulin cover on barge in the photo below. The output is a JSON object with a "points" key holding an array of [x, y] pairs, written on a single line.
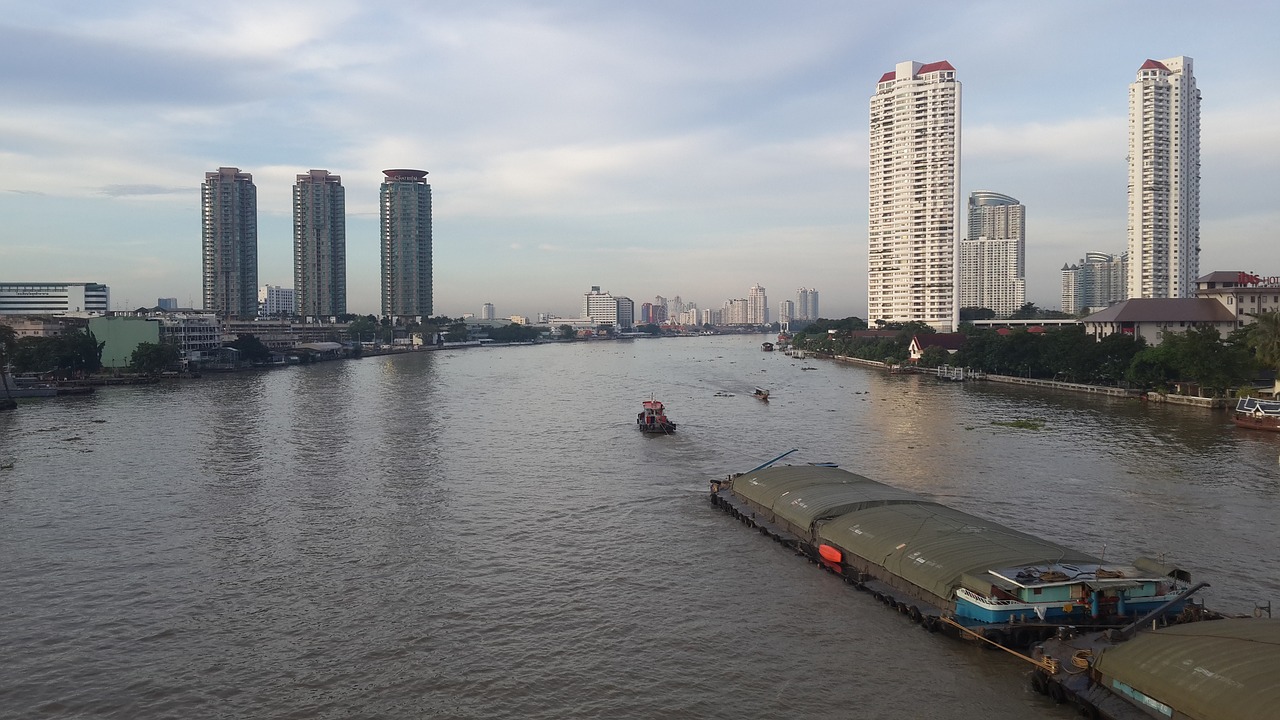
{"points": [[931, 546], [1212, 670]]}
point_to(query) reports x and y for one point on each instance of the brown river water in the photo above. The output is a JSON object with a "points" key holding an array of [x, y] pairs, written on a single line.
{"points": [[484, 534]]}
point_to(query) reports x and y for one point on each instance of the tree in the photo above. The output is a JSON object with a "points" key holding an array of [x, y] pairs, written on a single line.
{"points": [[1028, 311], [969, 314], [362, 329], [567, 332], [251, 348], [153, 358], [457, 332], [1263, 337], [933, 356], [8, 341]]}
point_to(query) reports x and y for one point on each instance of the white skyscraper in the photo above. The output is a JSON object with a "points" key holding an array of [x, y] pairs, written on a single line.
{"points": [[1164, 180], [757, 306], [993, 255], [806, 304], [914, 213]]}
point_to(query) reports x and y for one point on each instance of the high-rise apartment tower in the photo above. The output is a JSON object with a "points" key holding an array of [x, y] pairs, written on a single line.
{"points": [[406, 244], [229, 205], [1164, 180], [320, 245], [757, 306], [993, 255], [806, 304], [914, 213]]}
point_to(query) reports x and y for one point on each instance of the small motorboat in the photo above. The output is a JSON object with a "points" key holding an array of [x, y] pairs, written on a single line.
{"points": [[762, 394], [653, 419]]}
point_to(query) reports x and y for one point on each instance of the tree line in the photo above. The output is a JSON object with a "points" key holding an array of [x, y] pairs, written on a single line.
{"points": [[1200, 355]]}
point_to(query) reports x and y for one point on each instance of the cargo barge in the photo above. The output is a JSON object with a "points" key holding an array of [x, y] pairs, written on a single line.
{"points": [[1057, 608]]}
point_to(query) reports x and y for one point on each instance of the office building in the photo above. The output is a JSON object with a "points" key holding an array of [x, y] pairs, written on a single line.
{"points": [[993, 255], [914, 183], [1164, 180], [276, 301], [405, 202], [757, 306], [320, 245], [26, 298], [486, 311], [169, 303], [229, 202], [1095, 283]]}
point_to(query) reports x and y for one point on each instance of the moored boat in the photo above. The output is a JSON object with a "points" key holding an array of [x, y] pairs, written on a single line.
{"points": [[947, 569], [1257, 414], [766, 346], [653, 419]]}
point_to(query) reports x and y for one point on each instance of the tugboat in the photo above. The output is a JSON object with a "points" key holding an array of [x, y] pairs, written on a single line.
{"points": [[653, 419]]}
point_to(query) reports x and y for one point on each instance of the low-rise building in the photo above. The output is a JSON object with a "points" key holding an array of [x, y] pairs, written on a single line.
{"points": [[28, 298], [29, 326], [1151, 318]]}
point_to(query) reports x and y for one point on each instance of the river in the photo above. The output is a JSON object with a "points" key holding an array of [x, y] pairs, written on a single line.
{"points": [[484, 534]]}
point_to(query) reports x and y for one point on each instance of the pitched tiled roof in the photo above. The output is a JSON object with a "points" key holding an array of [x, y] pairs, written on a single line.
{"points": [[946, 341], [887, 77], [1153, 65], [1164, 310], [936, 66], [1221, 276]]}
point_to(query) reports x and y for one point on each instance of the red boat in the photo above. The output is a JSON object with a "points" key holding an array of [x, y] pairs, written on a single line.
{"points": [[1258, 414], [653, 419]]}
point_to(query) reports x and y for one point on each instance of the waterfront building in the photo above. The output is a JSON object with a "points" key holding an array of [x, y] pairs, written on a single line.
{"points": [[603, 308], [196, 335], [167, 303], [276, 301], [405, 209], [486, 311], [229, 202], [757, 306], [993, 254], [120, 335], [914, 212], [734, 312], [806, 304], [1164, 180], [36, 298], [320, 245], [33, 325], [1096, 282], [1243, 294]]}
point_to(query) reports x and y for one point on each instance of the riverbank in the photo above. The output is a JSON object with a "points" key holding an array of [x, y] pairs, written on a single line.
{"points": [[1203, 403]]}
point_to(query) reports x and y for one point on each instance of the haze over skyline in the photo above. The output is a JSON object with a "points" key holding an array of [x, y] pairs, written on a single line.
{"points": [[663, 149]]}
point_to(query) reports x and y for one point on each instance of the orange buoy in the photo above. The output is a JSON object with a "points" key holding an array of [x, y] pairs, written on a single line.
{"points": [[829, 553]]}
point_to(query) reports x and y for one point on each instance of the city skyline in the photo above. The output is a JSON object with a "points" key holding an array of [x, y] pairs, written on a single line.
{"points": [[572, 144]]}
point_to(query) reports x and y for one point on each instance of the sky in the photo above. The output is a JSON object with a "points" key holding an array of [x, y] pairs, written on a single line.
{"points": [[669, 148]]}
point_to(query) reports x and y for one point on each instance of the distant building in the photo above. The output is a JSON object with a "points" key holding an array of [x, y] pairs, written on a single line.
{"points": [[659, 312], [33, 326], [1096, 282], [1164, 180], [486, 311], [406, 244], [167, 303], [320, 245], [603, 308], [806, 305], [914, 209], [757, 306], [786, 311], [993, 255], [276, 301], [735, 312], [23, 298], [229, 201]]}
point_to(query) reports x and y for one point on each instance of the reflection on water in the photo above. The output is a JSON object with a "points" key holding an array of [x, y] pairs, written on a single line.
{"points": [[483, 533]]}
